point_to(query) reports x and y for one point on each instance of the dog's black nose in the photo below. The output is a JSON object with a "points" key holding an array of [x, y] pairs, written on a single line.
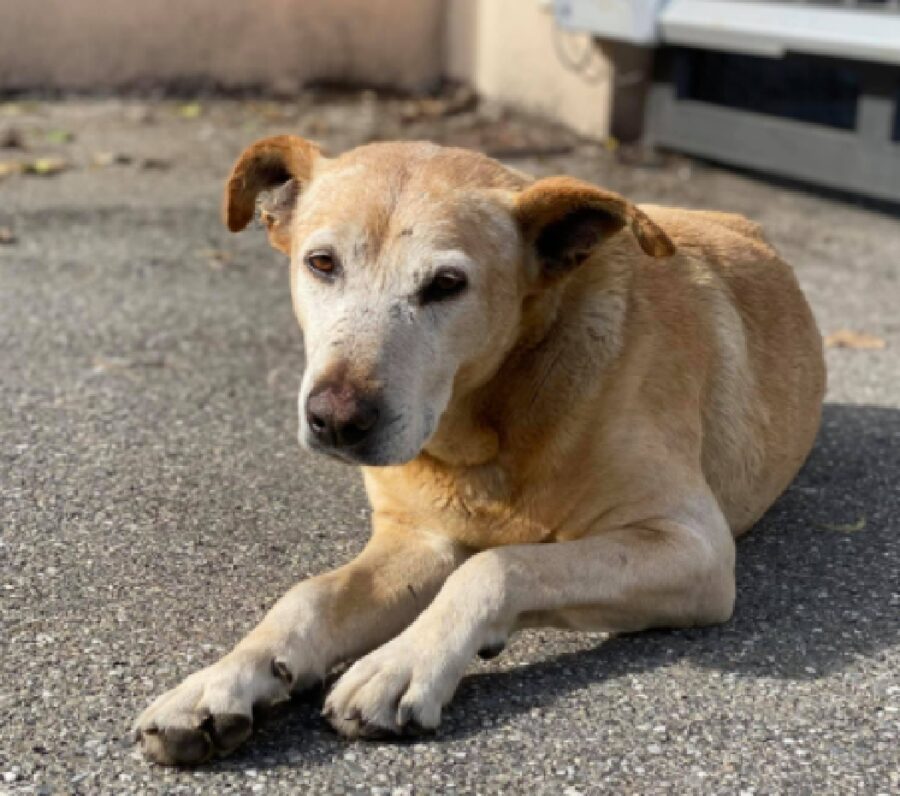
{"points": [[339, 416]]}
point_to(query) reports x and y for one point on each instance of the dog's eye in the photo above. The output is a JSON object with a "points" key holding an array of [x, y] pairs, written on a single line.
{"points": [[322, 263], [445, 284]]}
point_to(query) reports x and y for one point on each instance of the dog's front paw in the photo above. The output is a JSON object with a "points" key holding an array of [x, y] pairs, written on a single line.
{"points": [[211, 712], [393, 691]]}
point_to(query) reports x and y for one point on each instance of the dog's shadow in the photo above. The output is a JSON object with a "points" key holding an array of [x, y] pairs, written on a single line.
{"points": [[817, 588]]}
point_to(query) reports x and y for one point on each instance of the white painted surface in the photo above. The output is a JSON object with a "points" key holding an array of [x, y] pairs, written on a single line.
{"points": [[772, 29]]}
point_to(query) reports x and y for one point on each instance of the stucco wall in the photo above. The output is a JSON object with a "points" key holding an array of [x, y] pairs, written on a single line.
{"points": [[280, 44], [511, 51]]}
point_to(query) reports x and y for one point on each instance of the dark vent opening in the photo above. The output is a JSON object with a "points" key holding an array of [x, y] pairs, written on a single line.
{"points": [[895, 135], [797, 87]]}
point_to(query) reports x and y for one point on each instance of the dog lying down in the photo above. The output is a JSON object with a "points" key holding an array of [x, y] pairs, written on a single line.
{"points": [[566, 408]]}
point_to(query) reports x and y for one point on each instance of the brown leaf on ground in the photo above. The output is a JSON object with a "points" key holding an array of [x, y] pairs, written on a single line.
{"points": [[12, 138], [105, 159], [7, 236], [45, 167], [155, 164], [460, 100], [190, 110], [103, 364], [216, 259], [41, 167], [846, 338], [9, 167], [60, 136], [20, 108]]}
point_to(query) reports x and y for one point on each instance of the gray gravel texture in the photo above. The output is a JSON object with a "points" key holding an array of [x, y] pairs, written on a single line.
{"points": [[155, 502]]}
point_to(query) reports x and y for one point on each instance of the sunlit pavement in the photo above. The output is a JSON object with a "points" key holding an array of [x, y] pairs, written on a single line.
{"points": [[155, 502]]}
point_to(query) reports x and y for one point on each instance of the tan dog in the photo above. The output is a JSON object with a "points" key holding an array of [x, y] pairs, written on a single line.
{"points": [[566, 406]]}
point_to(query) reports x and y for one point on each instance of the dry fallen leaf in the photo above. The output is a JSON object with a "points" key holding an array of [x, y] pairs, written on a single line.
{"points": [[45, 167], [846, 338], [216, 259], [155, 164], [104, 159], [851, 527], [12, 138], [20, 108], [191, 110], [60, 136], [8, 167], [102, 364], [459, 101]]}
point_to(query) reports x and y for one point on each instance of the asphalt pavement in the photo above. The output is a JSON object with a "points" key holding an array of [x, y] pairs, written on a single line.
{"points": [[154, 501]]}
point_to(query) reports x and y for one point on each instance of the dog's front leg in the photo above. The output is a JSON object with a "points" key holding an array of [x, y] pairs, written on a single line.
{"points": [[317, 624], [659, 573]]}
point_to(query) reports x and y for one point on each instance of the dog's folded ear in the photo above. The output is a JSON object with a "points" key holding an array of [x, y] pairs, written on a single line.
{"points": [[565, 219], [284, 162]]}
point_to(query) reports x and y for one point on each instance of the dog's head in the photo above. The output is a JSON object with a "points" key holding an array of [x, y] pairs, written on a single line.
{"points": [[410, 264]]}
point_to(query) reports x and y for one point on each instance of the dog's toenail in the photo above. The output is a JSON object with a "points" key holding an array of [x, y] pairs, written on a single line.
{"points": [[413, 729], [230, 729], [179, 746], [281, 671], [491, 651]]}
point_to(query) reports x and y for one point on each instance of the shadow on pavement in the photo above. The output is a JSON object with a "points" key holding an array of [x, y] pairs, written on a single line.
{"points": [[816, 589], [817, 581]]}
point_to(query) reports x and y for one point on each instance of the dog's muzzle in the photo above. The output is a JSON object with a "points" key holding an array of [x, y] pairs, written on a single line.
{"points": [[340, 417]]}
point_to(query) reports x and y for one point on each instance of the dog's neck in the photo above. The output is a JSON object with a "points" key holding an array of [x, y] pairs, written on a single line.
{"points": [[579, 318], [470, 434], [463, 438]]}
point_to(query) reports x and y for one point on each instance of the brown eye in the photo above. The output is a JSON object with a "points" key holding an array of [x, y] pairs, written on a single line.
{"points": [[322, 263], [445, 284]]}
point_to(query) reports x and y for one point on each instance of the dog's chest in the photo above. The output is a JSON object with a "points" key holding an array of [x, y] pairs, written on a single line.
{"points": [[477, 506], [485, 510]]}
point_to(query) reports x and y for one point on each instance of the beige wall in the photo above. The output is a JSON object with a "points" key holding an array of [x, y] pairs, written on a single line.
{"points": [[511, 51], [280, 44]]}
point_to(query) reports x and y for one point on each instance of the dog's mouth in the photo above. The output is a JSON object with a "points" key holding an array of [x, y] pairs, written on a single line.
{"points": [[362, 457], [349, 456], [380, 449]]}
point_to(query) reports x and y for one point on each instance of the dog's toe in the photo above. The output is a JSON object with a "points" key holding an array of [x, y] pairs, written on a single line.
{"points": [[174, 746], [386, 695], [229, 730], [177, 744], [211, 712]]}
